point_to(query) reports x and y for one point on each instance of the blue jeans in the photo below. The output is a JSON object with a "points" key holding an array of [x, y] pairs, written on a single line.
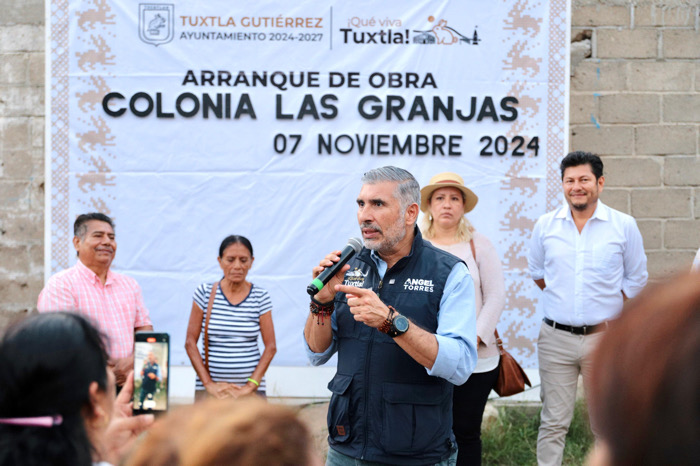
{"points": [[335, 458]]}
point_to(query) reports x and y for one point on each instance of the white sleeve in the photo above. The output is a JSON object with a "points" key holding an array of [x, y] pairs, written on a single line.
{"points": [[634, 260], [535, 257]]}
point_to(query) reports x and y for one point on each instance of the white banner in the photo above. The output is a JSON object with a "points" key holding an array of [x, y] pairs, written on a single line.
{"points": [[190, 121]]}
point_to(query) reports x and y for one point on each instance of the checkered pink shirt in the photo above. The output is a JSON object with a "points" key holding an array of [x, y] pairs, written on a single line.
{"points": [[116, 307]]}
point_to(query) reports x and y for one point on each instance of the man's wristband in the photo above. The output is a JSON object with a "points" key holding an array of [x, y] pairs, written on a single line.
{"points": [[250, 379], [386, 325], [395, 324], [319, 303], [321, 310]]}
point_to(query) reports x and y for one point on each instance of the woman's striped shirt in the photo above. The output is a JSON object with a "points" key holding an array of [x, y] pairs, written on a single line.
{"points": [[233, 334]]}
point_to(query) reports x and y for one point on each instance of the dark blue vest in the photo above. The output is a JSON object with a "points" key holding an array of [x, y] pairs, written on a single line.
{"points": [[385, 407]]}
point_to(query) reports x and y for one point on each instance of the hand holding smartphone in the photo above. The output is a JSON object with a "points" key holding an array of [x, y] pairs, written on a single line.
{"points": [[151, 369]]}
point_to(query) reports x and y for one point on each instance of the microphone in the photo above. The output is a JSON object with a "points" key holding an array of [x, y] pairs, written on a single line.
{"points": [[353, 247]]}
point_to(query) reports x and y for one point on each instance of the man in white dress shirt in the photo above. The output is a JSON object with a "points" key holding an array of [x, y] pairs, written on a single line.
{"points": [[587, 259]]}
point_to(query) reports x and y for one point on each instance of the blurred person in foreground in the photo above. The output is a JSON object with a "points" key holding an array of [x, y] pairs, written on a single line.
{"points": [[57, 396], [645, 395], [587, 259], [445, 201], [109, 299], [402, 321], [241, 311], [245, 432]]}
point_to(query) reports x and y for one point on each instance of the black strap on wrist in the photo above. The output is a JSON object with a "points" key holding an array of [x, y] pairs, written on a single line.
{"points": [[321, 310]]}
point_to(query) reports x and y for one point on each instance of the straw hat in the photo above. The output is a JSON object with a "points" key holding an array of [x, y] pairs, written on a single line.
{"points": [[447, 180]]}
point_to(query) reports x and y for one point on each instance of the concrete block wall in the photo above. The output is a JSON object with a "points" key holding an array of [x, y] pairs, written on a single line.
{"points": [[636, 103], [21, 156]]}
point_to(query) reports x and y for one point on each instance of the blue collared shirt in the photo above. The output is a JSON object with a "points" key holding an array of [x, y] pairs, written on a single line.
{"points": [[456, 332]]}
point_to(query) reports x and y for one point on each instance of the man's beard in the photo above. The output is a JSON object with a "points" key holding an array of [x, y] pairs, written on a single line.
{"points": [[580, 207], [388, 242], [590, 200]]}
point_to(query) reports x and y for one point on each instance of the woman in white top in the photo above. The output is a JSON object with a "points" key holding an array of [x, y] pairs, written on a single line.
{"points": [[231, 364], [444, 201]]}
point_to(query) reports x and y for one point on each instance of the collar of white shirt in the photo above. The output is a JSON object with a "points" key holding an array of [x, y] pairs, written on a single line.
{"points": [[602, 212]]}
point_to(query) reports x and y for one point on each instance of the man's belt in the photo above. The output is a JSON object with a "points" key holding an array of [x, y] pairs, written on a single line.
{"points": [[585, 330]]}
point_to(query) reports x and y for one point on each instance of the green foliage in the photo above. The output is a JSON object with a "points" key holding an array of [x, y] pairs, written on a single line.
{"points": [[512, 439]]}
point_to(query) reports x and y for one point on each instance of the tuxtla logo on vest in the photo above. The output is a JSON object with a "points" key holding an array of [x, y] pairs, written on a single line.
{"points": [[355, 277]]}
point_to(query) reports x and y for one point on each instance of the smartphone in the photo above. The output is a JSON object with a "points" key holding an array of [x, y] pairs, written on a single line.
{"points": [[151, 370]]}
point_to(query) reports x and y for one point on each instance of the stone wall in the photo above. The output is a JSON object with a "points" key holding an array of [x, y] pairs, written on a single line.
{"points": [[635, 101], [21, 156]]}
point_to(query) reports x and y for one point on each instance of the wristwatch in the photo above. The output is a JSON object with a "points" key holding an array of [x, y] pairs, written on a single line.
{"points": [[395, 324], [399, 326]]}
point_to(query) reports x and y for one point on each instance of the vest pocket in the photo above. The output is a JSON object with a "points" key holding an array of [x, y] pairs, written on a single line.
{"points": [[339, 409], [413, 417]]}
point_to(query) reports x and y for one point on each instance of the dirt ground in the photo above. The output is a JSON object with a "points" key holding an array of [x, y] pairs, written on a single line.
{"points": [[314, 415]]}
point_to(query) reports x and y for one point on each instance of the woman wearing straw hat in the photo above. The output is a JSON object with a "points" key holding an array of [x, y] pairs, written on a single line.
{"points": [[444, 201]]}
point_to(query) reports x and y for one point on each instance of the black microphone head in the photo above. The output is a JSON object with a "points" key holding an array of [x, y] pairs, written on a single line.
{"points": [[355, 244]]}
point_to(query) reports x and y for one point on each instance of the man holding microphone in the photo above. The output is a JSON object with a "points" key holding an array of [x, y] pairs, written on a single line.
{"points": [[402, 320]]}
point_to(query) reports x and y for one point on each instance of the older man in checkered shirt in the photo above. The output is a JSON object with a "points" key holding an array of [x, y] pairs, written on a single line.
{"points": [[111, 300]]}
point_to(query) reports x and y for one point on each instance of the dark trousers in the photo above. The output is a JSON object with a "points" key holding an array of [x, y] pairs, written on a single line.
{"points": [[144, 394], [468, 404]]}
